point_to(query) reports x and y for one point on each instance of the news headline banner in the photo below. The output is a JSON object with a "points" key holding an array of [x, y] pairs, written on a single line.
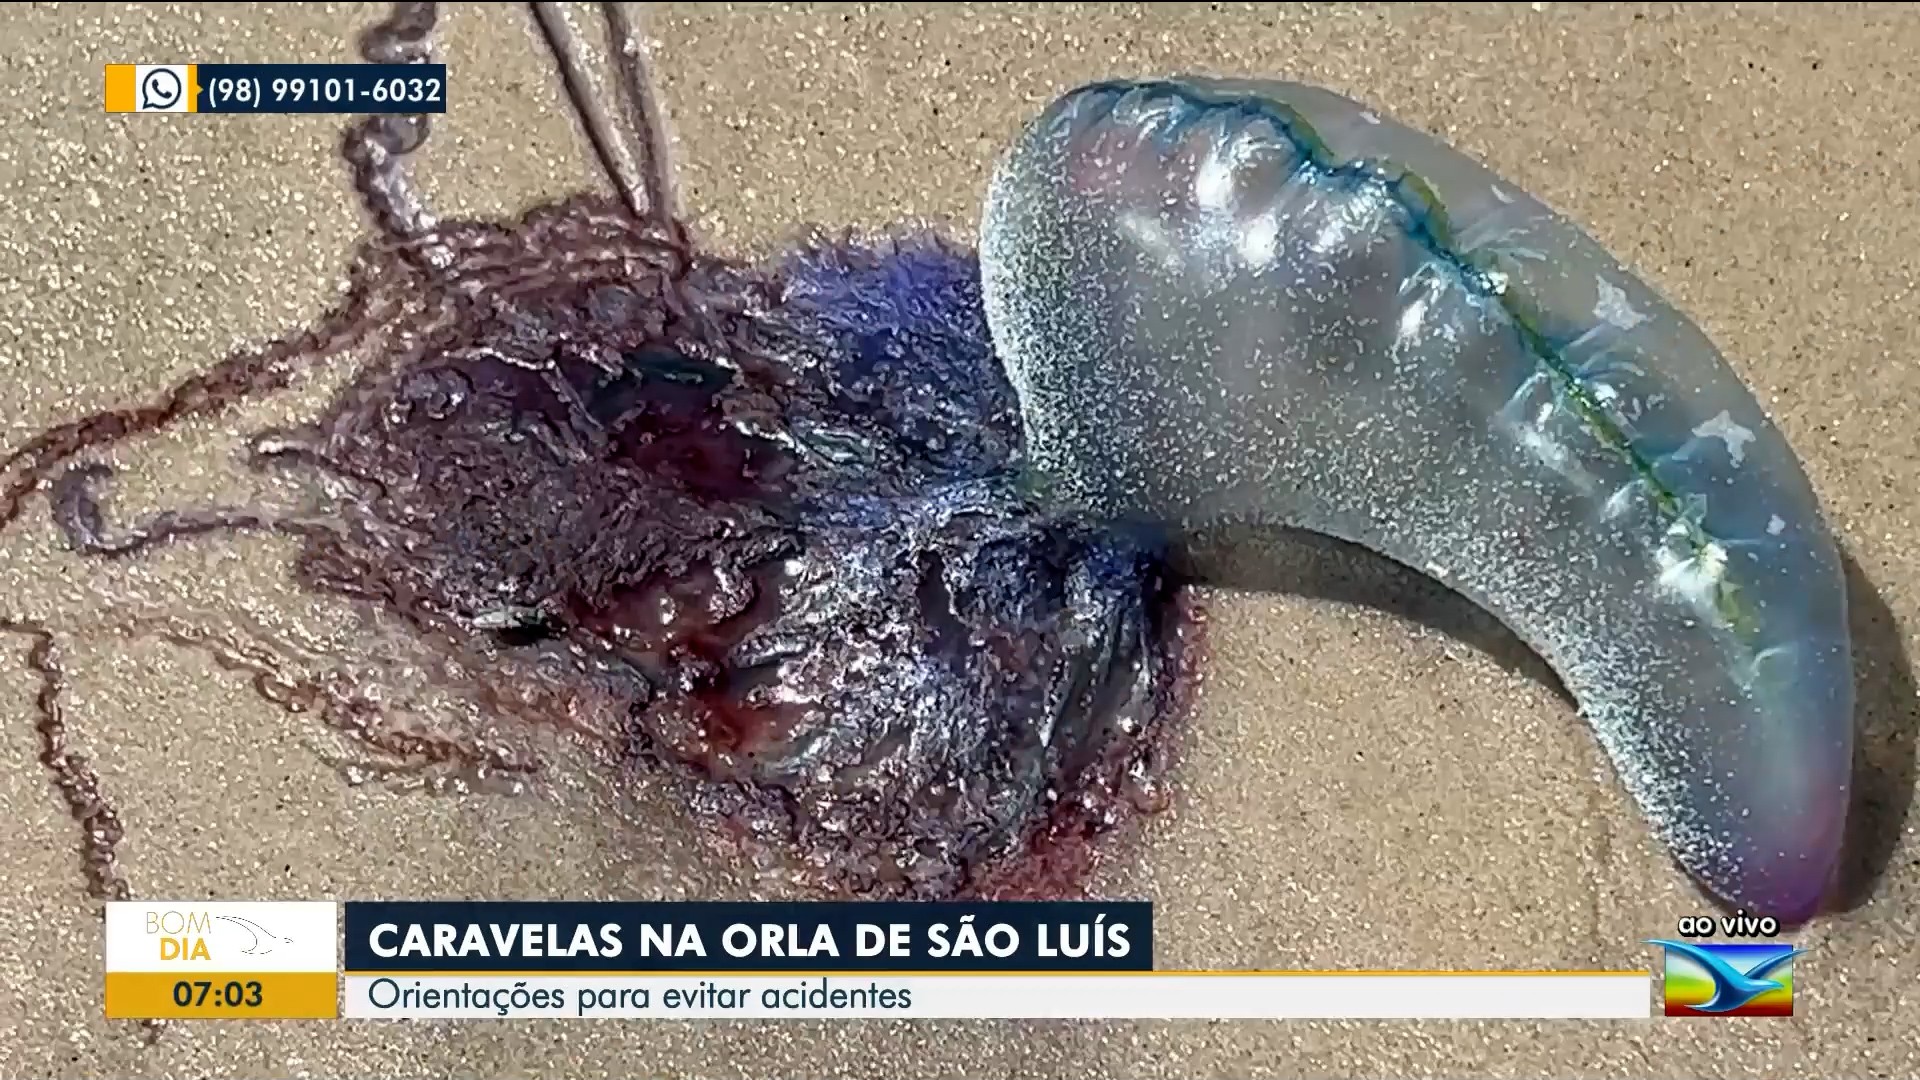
{"points": [[852, 960], [503, 937], [692, 960]]}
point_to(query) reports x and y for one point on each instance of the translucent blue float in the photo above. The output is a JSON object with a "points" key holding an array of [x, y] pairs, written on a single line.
{"points": [[1233, 307]]}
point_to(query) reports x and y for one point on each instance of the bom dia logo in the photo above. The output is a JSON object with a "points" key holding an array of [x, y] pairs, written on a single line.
{"points": [[169, 960], [1740, 978], [184, 935]]}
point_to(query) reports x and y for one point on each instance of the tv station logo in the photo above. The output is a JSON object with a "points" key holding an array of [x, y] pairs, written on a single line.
{"points": [[1734, 978], [152, 88], [202, 960]]}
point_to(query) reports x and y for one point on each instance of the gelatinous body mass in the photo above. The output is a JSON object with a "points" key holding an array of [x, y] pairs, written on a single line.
{"points": [[771, 516], [1230, 307], [763, 524]]}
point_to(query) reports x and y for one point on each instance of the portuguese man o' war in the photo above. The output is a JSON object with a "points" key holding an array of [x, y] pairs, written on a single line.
{"points": [[801, 531], [1236, 308]]}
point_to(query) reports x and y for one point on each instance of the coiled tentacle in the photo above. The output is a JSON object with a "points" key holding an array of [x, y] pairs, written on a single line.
{"points": [[376, 149], [1235, 307]]}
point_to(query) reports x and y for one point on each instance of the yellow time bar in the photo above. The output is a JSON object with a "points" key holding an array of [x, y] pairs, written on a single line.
{"points": [[200, 995]]}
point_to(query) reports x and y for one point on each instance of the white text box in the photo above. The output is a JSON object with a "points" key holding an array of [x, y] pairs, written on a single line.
{"points": [[222, 936], [1146, 996]]}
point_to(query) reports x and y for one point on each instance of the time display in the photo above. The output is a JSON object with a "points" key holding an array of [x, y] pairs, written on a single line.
{"points": [[232, 994], [210, 995]]}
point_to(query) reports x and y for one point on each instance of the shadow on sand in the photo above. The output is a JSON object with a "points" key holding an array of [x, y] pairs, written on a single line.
{"points": [[1886, 711]]}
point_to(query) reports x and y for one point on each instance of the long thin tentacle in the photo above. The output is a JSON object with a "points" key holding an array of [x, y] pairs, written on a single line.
{"points": [[642, 105], [73, 773], [78, 513], [238, 377], [377, 147], [101, 829], [617, 159]]}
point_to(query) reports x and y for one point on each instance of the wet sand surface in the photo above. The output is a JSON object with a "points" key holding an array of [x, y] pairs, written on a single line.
{"points": [[1357, 788]]}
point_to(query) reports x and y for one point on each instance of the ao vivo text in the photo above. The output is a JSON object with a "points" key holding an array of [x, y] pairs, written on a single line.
{"points": [[1737, 925]]}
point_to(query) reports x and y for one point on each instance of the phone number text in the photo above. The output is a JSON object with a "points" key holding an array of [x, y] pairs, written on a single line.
{"points": [[329, 88]]}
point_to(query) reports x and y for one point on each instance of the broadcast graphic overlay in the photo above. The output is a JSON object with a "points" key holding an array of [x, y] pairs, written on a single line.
{"points": [[204, 960], [998, 960], [276, 88], [493, 960], [1728, 978]]}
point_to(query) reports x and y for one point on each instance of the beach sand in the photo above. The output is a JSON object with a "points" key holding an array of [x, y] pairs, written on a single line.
{"points": [[1356, 789]]}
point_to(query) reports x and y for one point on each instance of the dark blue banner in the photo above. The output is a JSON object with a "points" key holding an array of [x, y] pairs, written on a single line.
{"points": [[515, 936], [318, 88]]}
